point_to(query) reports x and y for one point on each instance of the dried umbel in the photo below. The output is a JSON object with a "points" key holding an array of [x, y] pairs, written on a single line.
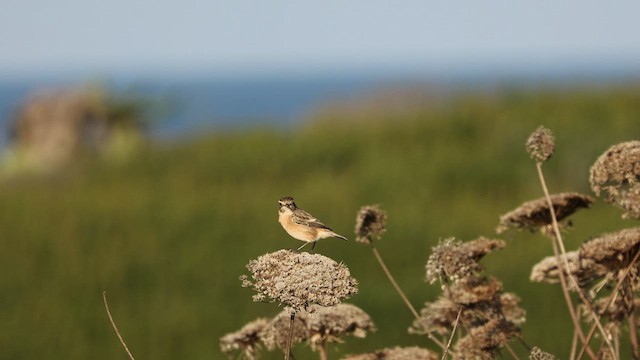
{"points": [[453, 260], [329, 324], [274, 334], [474, 290], [584, 270], [438, 316], [245, 340], [619, 310], [396, 353], [534, 215], [538, 354], [613, 250], [482, 340], [541, 144], [299, 279], [371, 223], [616, 174]]}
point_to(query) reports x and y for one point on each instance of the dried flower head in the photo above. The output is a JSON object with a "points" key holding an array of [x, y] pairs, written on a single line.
{"points": [[538, 354], [534, 215], [583, 270], [473, 290], [613, 250], [299, 279], [275, 333], [371, 223], [329, 324], [616, 173], [246, 340], [437, 316], [396, 353], [453, 260], [511, 310], [619, 310], [541, 144], [483, 340]]}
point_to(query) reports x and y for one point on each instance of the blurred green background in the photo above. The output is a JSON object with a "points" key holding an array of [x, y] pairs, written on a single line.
{"points": [[168, 232]]}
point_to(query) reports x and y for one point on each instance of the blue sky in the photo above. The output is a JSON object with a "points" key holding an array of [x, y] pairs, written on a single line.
{"points": [[41, 37]]}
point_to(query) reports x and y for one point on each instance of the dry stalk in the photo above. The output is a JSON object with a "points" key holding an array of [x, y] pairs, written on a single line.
{"points": [[287, 354], [513, 353], [453, 332], [611, 298], [558, 236], [324, 353], [402, 295], [633, 336], [113, 323]]}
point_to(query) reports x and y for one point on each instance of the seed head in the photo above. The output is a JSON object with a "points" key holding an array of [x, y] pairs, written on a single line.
{"points": [[452, 260], [584, 270], [371, 223], [437, 316], [616, 174], [541, 144], [613, 250], [329, 324], [534, 215], [396, 353], [473, 290], [299, 279], [275, 333], [246, 340], [484, 339], [538, 354]]}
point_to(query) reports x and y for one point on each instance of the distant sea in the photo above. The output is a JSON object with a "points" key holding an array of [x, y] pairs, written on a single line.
{"points": [[192, 105]]}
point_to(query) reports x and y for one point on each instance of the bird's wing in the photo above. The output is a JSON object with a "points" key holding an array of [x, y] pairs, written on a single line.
{"points": [[302, 217]]}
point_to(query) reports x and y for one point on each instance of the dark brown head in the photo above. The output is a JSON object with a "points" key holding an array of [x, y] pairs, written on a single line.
{"points": [[286, 203]]}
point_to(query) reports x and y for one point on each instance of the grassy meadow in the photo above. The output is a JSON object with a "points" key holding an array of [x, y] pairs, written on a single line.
{"points": [[168, 232]]}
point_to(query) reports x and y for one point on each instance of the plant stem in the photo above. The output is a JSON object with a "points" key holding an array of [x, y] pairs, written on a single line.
{"points": [[453, 332], [611, 297], [556, 230], [513, 353], [113, 323], [287, 354], [633, 336], [324, 354], [402, 295]]}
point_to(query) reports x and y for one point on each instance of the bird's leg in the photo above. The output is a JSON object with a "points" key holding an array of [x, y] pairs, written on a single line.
{"points": [[313, 245], [303, 245]]}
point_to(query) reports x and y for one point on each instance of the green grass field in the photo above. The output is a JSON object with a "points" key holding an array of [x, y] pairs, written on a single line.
{"points": [[168, 233]]}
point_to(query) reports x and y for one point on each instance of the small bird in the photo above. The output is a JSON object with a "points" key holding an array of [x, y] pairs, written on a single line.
{"points": [[301, 225]]}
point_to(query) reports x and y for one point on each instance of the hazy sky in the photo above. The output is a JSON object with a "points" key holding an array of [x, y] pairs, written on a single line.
{"points": [[237, 36]]}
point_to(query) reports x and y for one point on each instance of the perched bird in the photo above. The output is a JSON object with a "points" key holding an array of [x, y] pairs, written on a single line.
{"points": [[301, 225]]}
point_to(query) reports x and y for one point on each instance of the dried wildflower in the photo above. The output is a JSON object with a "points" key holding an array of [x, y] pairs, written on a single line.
{"points": [[613, 250], [619, 310], [533, 215], [584, 270], [246, 340], [371, 223], [474, 290], [328, 324], [541, 144], [538, 354], [484, 339], [616, 173], [453, 260], [437, 317], [511, 310], [396, 353], [299, 279], [274, 334]]}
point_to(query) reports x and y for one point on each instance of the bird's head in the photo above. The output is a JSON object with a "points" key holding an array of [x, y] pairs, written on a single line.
{"points": [[286, 204]]}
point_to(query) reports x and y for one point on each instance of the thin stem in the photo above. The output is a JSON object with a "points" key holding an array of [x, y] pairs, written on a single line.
{"points": [[565, 259], [574, 345], [510, 350], [453, 332], [633, 336], [113, 323], [287, 354], [324, 354], [611, 297], [402, 295]]}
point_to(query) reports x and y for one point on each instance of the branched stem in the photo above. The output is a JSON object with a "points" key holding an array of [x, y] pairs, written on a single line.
{"points": [[113, 323]]}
